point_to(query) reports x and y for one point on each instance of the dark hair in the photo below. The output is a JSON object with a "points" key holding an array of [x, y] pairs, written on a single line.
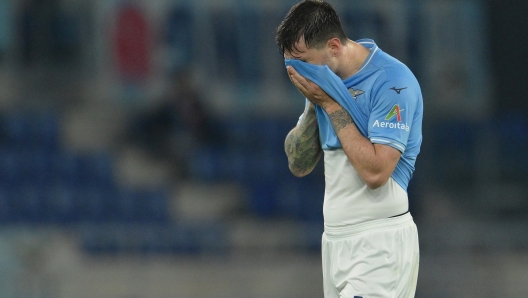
{"points": [[315, 20]]}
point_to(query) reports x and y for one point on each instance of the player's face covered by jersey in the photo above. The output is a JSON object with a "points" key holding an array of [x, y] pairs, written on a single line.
{"points": [[312, 55]]}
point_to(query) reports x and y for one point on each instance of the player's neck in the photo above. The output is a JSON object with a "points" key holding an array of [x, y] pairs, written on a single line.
{"points": [[354, 55]]}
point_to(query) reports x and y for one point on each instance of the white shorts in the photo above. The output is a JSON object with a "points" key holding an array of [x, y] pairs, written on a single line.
{"points": [[376, 259]]}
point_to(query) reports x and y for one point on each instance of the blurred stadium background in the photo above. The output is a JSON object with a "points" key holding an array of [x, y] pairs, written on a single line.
{"points": [[141, 148]]}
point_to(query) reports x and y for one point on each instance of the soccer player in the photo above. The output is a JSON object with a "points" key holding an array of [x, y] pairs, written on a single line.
{"points": [[370, 136]]}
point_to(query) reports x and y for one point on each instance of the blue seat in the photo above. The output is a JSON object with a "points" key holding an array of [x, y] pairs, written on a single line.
{"points": [[64, 168], [91, 204], [7, 214], [262, 198], [302, 198], [60, 204], [511, 133], [94, 168], [248, 26], [28, 203], [207, 164], [11, 171], [31, 129], [178, 33], [453, 151], [153, 206]]}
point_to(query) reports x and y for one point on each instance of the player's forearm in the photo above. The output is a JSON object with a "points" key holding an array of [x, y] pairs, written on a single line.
{"points": [[302, 144], [374, 166]]}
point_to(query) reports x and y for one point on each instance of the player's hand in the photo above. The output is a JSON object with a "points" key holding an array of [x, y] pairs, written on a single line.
{"points": [[309, 89]]}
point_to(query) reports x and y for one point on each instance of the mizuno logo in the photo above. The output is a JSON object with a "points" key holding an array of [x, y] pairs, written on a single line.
{"points": [[355, 93], [398, 90]]}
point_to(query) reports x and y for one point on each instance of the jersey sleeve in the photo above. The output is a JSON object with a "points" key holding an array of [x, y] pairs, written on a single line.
{"points": [[305, 105], [393, 108]]}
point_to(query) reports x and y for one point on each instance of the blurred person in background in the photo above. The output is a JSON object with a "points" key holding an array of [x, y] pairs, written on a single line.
{"points": [[370, 241], [175, 126]]}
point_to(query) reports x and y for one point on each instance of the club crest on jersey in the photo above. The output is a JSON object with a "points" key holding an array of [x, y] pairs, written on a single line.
{"points": [[395, 111], [355, 93]]}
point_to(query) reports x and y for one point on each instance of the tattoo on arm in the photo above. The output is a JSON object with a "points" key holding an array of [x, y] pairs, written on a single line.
{"points": [[340, 119], [302, 146]]}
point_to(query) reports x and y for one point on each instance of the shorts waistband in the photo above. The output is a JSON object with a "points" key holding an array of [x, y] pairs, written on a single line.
{"points": [[377, 224]]}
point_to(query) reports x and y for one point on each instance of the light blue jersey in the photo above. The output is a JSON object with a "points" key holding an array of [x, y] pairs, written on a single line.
{"points": [[387, 107]]}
